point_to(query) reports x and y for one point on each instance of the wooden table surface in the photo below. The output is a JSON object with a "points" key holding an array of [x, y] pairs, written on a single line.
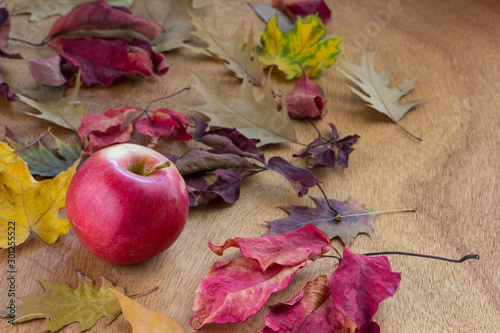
{"points": [[450, 177]]}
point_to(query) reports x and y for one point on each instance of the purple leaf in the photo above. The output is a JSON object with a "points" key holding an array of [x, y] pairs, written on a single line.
{"points": [[300, 179], [4, 35], [199, 160], [47, 71], [356, 219], [306, 100], [5, 90]]}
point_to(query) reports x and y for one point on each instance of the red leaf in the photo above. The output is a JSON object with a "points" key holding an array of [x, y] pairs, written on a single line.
{"points": [[5, 90], [303, 8], [236, 289], [289, 249], [4, 35], [99, 15], [311, 310], [163, 122], [103, 60], [356, 219], [300, 179], [107, 129], [360, 284], [47, 71], [306, 100]]}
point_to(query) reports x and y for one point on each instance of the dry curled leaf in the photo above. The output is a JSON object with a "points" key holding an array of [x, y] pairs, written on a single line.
{"points": [[62, 305], [253, 118], [144, 320], [375, 86]]}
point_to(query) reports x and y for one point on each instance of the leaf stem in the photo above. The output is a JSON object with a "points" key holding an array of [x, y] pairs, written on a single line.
{"points": [[165, 97], [328, 202], [42, 43], [143, 293], [53, 252], [34, 141], [381, 212], [464, 258], [407, 132]]}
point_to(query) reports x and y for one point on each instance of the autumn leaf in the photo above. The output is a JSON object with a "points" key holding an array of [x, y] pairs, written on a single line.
{"points": [[288, 249], [356, 219], [65, 111], [4, 35], [40, 9], [360, 284], [307, 100], [7, 153], [163, 122], [311, 310], [304, 8], [62, 305], [144, 320], [236, 289], [43, 162], [5, 90], [47, 71], [300, 179], [176, 22], [235, 51], [99, 15], [299, 49], [375, 86], [32, 206], [252, 118], [103, 60]]}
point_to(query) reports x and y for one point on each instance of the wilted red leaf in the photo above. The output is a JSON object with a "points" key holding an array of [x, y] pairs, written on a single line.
{"points": [[5, 90], [306, 100], [303, 8], [47, 71], [311, 310], [289, 249], [356, 219], [99, 15], [236, 289], [163, 122], [360, 284], [103, 60], [300, 179], [4, 35]]}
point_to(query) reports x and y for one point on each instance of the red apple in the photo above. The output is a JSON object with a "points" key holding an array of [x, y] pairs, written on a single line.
{"points": [[127, 203]]}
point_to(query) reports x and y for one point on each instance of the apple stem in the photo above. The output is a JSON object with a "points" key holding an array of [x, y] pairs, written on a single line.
{"points": [[156, 168]]}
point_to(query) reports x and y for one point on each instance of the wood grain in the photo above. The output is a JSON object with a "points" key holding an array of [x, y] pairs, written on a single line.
{"points": [[450, 177]]}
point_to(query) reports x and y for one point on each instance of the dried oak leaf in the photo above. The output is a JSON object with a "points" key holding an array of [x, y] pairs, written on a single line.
{"points": [[359, 285], [65, 111], [288, 249], [62, 305], [299, 49], [375, 86], [176, 21], [47, 71], [5, 90], [40, 9], [43, 162], [304, 8], [253, 118], [311, 310], [356, 219], [236, 52], [103, 60], [99, 15], [4, 35], [32, 205], [236, 289], [307, 100], [300, 179], [144, 320]]}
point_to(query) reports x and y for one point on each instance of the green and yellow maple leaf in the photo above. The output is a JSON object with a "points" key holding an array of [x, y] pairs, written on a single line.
{"points": [[62, 305], [301, 47], [30, 205]]}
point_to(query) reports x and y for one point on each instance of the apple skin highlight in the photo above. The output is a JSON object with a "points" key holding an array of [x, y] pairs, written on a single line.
{"points": [[122, 217]]}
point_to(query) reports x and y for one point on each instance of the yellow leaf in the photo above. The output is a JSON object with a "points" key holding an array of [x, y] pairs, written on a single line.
{"points": [[301, 47], [144, 320], [7, 153], [33, 206]]}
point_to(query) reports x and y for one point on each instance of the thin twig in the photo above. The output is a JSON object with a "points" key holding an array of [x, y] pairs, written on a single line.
{"points": [[464, 258], [327, 201]]}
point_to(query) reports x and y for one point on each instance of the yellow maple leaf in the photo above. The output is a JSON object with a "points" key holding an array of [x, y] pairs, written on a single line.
{"points": [[7, 153], [29, 206], [144, 320], [301, 47]]}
